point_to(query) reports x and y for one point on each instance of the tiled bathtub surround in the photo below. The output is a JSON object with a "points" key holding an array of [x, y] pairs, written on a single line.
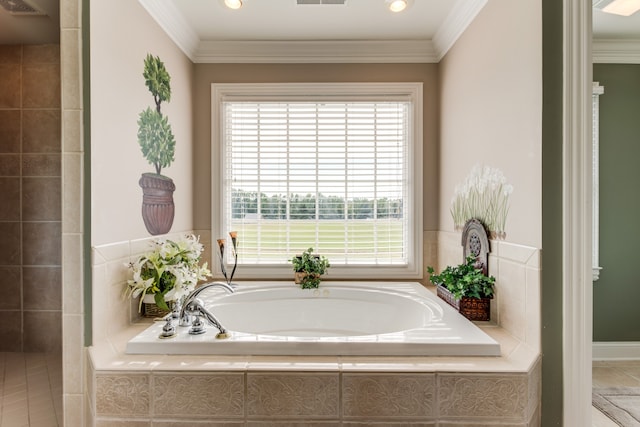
{"points": [[305, 391], [30, 190], [111, 311], [162, 390], [516, 304]]}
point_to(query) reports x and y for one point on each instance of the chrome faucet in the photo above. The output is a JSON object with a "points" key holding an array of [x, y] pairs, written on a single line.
{"points": [[193, 306]]}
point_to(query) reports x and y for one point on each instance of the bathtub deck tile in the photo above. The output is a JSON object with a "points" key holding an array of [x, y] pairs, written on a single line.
{"points": [[390, 424], [211, 395], [295, 395], [294, 363], [389, 396], [122, 394], [192, 363], [487, 396], [289, 423]]}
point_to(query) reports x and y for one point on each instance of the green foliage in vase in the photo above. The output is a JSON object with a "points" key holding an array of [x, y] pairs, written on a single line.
{"points": [[154, 131], [157, 79], [312, 265], [156, 139], [464, 280]]}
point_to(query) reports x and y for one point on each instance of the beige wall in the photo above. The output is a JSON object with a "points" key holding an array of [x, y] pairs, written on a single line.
{"points": [[122, 33], [491, 111], [206, 74]]}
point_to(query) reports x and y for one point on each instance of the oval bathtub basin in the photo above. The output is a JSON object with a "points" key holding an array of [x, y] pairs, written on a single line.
{"points": [[326, 312], [339, 318]]}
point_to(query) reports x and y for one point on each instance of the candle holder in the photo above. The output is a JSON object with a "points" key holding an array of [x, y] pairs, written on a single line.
{"points": [[221, 245]]}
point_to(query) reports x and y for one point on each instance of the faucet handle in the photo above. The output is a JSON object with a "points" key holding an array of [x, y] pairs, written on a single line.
{"points": [[197, 326], [177, 308], [168, 330]]}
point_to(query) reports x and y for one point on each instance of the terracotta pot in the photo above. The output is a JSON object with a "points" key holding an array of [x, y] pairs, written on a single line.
{"points": [[157, 203]]}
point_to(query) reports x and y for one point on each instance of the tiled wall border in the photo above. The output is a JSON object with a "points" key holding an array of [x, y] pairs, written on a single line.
{"points": [[315, 398], [72, 212]]}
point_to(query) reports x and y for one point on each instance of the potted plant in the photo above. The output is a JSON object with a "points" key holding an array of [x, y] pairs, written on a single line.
{"points": [[466, 288], [308, 268], [158, 147], [168, 272]]}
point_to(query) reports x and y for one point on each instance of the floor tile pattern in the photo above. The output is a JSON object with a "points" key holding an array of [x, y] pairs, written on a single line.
{"points": [[623, 373], [30, 390]]}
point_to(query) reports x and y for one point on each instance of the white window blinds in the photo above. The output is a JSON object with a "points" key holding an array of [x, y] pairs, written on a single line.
{"points": [[327, 175]]}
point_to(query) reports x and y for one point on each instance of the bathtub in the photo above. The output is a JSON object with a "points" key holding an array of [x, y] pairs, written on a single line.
{"points": [[339, 318]]}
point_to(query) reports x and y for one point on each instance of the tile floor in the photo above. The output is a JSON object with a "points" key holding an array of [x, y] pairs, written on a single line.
{"points": [[625, 373], [30, 390]]}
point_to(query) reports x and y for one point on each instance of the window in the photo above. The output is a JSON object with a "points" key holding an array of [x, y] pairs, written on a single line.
{"points": [[595, 225], [336, 167]]}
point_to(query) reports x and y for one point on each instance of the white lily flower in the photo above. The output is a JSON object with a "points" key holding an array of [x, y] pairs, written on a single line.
{"points": [[172, 268]]}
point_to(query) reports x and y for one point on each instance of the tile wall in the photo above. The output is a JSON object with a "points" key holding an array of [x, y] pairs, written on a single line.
{"points": [[30, 190], [112, 312], [516, 303]]}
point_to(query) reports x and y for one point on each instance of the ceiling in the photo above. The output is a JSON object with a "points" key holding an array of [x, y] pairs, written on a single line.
{"points": [[359, 30], [362, 29], [32, 29], [355, 20], [609, 26]]}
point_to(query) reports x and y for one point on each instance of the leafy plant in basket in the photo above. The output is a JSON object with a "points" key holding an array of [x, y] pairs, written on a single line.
{"points": [[308, 268], [467, 285], [168, 272], [464, 280]]}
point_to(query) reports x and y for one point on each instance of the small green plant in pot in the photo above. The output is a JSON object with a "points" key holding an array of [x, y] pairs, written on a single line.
{"points": [[465, 287], [308, 268]]}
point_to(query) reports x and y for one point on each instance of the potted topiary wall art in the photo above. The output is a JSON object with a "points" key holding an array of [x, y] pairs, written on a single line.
{"points": [[158, 147]]}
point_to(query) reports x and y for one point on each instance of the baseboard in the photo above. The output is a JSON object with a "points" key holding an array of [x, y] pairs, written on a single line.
{"points": [[621, 350]]}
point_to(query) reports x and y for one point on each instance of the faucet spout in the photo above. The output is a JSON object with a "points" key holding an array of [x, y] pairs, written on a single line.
{"points": [[192, 305]]}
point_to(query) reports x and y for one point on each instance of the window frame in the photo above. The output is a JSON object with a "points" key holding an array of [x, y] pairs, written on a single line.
{"points": [[411, 91]]}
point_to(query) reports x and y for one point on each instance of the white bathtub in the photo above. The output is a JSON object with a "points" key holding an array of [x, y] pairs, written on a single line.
{"points": [[339, 318]]}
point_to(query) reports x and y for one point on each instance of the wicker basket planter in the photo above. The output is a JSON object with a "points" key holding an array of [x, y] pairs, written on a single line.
{"points": [[151, 309], [471, 308]]}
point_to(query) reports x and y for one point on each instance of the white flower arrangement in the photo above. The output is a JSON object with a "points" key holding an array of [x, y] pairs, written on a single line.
{"points": [[483, 195], [170, 271]]}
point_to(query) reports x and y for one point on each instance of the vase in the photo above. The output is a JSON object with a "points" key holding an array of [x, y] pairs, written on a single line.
{"points": [[151, 309], [158, 208], [299, 276]]}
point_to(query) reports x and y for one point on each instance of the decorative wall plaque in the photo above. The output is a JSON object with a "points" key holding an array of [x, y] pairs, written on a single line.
{"points": [[475, 241]]}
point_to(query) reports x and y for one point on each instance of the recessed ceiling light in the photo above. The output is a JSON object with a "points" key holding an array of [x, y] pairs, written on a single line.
{"points": [[233, 4], [397, 5], [618, 7]]}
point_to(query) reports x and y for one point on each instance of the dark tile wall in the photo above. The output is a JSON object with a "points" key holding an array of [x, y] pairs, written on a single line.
{"points": [[30, 199]]}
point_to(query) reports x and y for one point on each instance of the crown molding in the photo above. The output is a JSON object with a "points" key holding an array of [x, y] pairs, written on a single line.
{"points": [[337, 51], [616, 51], [174, 25], [343, 51], [462, 14]]}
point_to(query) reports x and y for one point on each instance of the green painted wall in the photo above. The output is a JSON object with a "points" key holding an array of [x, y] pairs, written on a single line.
{"points": [[616, 316], [551, 306]]}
